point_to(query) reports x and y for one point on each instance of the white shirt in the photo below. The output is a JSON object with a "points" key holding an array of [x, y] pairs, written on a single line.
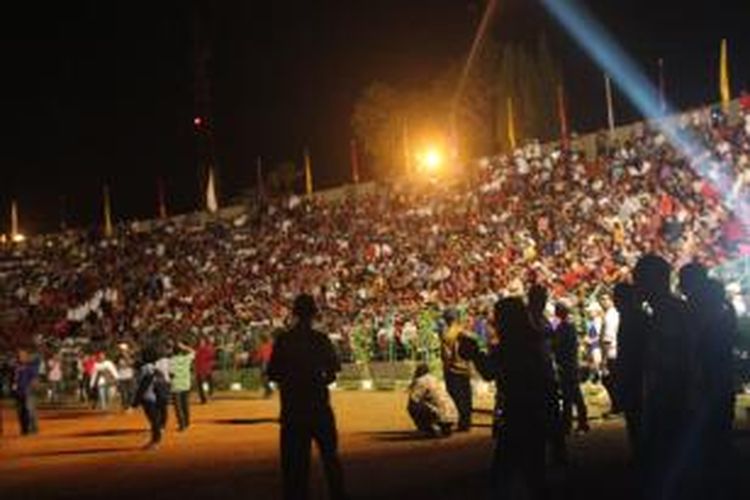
{"points": [[609, 334]]}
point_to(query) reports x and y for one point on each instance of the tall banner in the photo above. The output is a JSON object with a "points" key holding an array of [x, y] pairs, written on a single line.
{"points": [[107, 212], [355, 161], [725, 91], [610, 105], [563, 115], [212, 204], [308, 174], [511, 125]]}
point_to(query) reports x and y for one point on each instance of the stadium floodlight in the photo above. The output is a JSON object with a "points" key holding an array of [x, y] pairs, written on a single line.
{"points": [[431, 159]]}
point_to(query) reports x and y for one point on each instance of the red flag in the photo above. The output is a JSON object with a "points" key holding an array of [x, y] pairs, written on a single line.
{"points": [[355, 161]]}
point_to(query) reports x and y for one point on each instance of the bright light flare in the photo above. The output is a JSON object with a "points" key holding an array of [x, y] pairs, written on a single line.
{"points": [[18, 238], [431, 160]]}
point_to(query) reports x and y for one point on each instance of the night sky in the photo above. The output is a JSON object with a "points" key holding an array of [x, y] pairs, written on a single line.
{"points": [[96, 92]]}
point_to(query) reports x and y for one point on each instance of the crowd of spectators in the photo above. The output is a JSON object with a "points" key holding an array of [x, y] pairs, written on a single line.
{"points": [[383, 263]]}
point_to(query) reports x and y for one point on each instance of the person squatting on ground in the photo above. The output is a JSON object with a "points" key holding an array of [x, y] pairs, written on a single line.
{"points": [[456, 369], [518, 365], [181, 377], [152, 394], [26, 374], [430, 407], [303, 364], [565, 347]]}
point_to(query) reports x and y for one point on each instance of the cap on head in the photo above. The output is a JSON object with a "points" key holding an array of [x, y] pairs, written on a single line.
{"points": [[304, 307]]}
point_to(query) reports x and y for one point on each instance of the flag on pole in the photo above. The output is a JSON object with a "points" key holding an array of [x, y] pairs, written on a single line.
{"points": [[726, 93], [610, 106], [354, 160], [662, 88], [162, 204], [511, 125], [212, 205], [259, 176], [405, 139], [563, 115], [308, 174], [13, 220], [107, 212]]}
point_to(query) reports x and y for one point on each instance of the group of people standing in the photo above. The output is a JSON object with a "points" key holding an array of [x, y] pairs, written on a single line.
{"points": [[672, 379]]}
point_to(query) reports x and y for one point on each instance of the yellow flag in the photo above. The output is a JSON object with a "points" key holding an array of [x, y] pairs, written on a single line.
{"points": [[308, 174], [511, 125], [724, 90], [107, 212]]}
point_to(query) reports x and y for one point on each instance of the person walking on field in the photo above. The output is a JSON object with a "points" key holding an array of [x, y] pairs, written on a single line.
{"points": [[456, 370], [205, 356], [180, 375], [26, 374], [303, 364]]}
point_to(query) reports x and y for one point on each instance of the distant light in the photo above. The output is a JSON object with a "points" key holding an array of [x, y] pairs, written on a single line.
{"points": [[18, 238], [3, 238], [197, 121], [432, 159]]}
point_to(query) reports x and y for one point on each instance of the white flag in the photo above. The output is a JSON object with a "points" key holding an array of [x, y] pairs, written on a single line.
{"points": [[212, 205]]}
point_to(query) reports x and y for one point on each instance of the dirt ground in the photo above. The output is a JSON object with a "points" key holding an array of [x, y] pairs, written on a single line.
{"points": [[230, 451]]}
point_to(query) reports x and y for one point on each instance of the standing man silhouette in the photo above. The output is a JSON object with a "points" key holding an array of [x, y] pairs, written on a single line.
{"points": [[303, 364]]}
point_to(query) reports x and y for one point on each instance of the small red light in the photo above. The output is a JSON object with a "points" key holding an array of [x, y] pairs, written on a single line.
{"points": [[197, 121]]}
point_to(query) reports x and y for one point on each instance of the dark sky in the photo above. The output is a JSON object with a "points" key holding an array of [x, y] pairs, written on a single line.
{"points": [[96, 92]]}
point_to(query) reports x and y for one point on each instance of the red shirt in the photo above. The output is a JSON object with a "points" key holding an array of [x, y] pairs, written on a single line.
{"points": [[204, 359]]}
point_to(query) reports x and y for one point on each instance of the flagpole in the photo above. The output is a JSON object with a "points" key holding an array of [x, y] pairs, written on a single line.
{"points": [[13, 220], [563, 115], [511, 125], [259, 176], [610, 106], [662, 87], [162, 202], [354, 160], [107, 212], [212, 204], [308, 173], [724, 90]]}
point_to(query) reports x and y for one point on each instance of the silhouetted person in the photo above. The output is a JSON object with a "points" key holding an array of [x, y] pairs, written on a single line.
{"points": [[537, 303], [629, 365], [152, 393], [667, 383], [26, 373], [303, 364], [716, 325], [518, 364], [565, 346], [456, 370]]}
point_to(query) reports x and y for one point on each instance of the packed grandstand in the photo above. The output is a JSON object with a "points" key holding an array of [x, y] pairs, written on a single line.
{"points": [[382, 263]]}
